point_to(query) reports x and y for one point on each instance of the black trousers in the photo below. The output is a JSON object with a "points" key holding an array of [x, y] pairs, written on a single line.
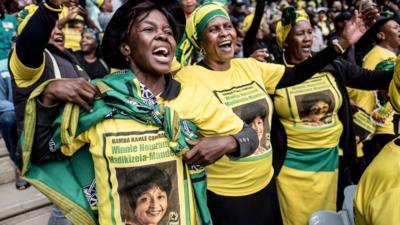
{"points": [[260, 208], [347, 178], [372, 147]]}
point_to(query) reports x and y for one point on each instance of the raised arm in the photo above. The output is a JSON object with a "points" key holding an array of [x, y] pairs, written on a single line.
{"points": [[27, 59], [357, 77], [306, 69], [353, 31], [250, 37]]}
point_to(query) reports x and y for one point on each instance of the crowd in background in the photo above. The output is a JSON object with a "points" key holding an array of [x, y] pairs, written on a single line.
{"points": [[321, 117]]}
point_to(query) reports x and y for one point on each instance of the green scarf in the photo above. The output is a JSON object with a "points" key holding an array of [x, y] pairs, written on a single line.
{"points": [[121, 98]]}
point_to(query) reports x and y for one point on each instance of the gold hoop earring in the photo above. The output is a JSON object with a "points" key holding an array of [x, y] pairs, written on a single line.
{"points": [[202, 51]]}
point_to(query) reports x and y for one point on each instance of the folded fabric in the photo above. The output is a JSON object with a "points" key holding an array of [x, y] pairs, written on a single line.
{"points": [[121, 99]]}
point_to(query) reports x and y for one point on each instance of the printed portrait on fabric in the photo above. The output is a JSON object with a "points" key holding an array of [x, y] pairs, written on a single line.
{"points": [[364, 128], [255, 115], [149, 194], [315, 109], [251, 103]]}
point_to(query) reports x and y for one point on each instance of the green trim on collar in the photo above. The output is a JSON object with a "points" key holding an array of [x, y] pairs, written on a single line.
{"points": [[205, 20], [172, 89]]}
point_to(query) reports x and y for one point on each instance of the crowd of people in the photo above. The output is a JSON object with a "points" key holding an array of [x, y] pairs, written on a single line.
{"points": [[203, 112]]}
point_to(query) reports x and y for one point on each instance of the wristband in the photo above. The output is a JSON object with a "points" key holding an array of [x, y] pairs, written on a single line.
{"points": [[335, 42], [52, 7]]}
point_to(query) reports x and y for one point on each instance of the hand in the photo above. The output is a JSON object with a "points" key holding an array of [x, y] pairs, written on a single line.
{"points": [[392, 6], [358, 139], [72, 13], [260, 54], [75, 90], [208, 150], [358, 25], [82, 11]]}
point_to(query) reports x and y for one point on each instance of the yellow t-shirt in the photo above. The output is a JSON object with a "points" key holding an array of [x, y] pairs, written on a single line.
{"points": [[309, 112], [72, 38], [378, 192], [244, 87], [175, 65], [25, 76], [394, 87], [137, 176], [366, 99]]}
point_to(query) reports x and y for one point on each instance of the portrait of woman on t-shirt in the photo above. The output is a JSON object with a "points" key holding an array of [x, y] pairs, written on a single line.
{"points": [[317, 109]]}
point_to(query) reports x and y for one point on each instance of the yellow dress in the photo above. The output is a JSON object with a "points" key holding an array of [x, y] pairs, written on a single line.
{"points": [[308, 179]]}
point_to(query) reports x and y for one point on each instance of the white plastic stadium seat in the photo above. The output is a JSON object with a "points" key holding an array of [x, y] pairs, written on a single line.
{"points": [[329, 218], [348, 202]]}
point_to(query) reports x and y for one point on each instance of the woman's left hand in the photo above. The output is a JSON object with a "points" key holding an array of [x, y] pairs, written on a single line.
{"points": [[260, 54], [358, 25], [208, 150]]}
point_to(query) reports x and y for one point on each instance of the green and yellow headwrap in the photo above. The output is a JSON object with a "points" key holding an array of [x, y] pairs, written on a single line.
{"points": [[290, 17], [195, 25], [24, 15]]}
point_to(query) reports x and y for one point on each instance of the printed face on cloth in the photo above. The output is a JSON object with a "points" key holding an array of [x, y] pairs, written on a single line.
{"points": [[258, 125], [318, 111], [148, 191], [151, 206]]}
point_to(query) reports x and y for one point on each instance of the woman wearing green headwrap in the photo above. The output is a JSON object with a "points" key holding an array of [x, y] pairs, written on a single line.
{"points": [[317, 120], [243, 192]]}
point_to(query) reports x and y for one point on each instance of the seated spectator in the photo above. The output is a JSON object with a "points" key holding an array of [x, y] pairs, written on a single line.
{"points": [[8, 123], [238, 10], [72, 21], [8, 25], [188, 6], [88, 56], [95, 7], [259, 42]]}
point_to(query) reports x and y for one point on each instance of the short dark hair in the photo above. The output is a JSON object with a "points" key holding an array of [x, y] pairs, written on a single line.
{"points": [[139, 180], [143, 10], [308, 101], [119, 26], [251, 111]]}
